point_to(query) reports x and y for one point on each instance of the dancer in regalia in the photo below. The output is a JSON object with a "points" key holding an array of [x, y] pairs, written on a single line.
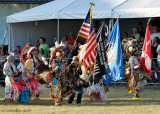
{"points": [[75, 69], [57, 76], [39, 59], [78, 83], [136, 77], [59, 82], [10, 71], [21, 87], [31, 67]]}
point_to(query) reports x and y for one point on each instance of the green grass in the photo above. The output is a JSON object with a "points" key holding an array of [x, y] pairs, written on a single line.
{"points": [[118, 102]]}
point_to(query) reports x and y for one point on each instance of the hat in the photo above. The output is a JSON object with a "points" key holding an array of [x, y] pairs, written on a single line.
{"points": [[25, 50], [31, 50], [9, 56], [59, 53], [132, 47], [60, 46], [24, 69]]}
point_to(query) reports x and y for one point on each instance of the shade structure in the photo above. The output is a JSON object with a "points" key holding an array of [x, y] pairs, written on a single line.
{"points": [[53, 17], [66, 9], [137, 9]]}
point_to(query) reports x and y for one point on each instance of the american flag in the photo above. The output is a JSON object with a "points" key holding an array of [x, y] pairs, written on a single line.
{"points": [[90, 55], [84, 31]]}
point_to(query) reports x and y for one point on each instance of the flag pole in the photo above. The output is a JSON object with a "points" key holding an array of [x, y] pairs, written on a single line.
{"points": [[75, 42], [119, 17], [149, 20]]}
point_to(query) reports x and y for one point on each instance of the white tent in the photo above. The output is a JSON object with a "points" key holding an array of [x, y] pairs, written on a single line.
{"points": [[59, 17], [48, 21], [137, 9], [66, 9]]}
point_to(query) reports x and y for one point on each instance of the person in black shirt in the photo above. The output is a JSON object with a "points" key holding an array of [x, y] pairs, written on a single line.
{"points": [[154, 49]]}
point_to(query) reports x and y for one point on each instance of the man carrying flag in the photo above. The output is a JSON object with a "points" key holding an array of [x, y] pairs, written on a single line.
{"points": [[87, 31], [87, 54], [136, 77], [98, 92], [132, 70]]}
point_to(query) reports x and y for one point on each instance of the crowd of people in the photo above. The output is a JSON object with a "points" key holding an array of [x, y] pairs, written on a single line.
{"points": [[139, 36], [28, 69]]}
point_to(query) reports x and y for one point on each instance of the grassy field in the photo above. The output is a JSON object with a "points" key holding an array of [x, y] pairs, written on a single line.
{"points": [[118, 102]]}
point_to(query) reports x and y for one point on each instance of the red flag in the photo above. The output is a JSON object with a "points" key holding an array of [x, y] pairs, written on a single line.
{"points": [[145, 61]]}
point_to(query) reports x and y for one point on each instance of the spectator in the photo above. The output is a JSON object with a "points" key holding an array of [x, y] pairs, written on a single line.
{"points": [[141, 30], [136, 34], [125, 35], [141, 42], [153, 50], [55, 42], [158, 52], [75, 50], [18, 48], [154, 34], [44, 46], [151, 28], [65, 41], [37, 45], [66, 47], [72, 38], [70, 48], [16, 56], [125, 40], [41, 53]]}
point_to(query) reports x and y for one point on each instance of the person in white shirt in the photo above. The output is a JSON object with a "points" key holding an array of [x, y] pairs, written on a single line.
{"points": [[158, 57], [136, 34], [10, 71], [154, 34]]}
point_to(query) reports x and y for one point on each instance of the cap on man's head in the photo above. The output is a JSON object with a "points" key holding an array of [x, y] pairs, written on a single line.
{"points": [[9, 56], [74, 58]]}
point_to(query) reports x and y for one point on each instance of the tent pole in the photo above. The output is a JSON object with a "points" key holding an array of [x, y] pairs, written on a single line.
{"points": [[58, 30], [9, 41], [5, 34]]}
